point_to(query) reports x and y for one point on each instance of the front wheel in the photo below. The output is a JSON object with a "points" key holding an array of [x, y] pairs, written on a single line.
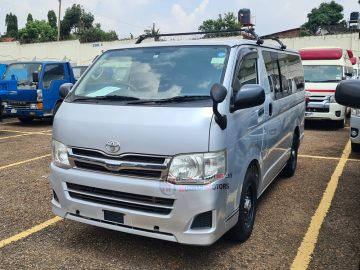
{"points": [[247, 208], [26, 120]]}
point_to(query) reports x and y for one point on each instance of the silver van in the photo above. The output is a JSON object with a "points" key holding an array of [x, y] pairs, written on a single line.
{"points": [[177, 140]]}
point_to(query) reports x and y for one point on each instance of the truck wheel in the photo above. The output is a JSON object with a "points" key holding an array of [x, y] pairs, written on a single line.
{"points": [[247, 208], [355, 147], [291, 165], [25, 120]]}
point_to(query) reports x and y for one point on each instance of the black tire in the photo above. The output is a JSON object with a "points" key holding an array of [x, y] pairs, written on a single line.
{"points": [[57, 106], [291, 165], [26, 120], [247, 208], [355, 147], [341, 123]]}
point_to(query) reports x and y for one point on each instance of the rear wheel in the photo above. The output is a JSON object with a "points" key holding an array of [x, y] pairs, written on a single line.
{"points": [[291, 165], [355, 147], [26, 120], [247, 208]]}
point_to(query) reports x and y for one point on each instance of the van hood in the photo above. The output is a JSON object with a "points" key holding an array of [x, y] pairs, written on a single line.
{"points": [[139, 129]]}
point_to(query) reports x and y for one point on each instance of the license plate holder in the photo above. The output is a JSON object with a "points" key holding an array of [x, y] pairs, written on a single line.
{"points": [[114, 216]]}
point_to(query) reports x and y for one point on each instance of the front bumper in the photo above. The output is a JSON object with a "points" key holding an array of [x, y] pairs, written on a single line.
{"points": [[174, 226], [355, 125], [325, 111], [24, 112]]}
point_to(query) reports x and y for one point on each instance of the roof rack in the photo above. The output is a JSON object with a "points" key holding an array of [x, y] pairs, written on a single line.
{"points": [[282, 45], [250, 31]]}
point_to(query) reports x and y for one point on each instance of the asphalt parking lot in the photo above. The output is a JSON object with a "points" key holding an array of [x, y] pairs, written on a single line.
{"points": [[293, 228]]}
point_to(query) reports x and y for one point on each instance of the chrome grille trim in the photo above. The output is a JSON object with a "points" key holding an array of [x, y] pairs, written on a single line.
{"points": [[117, 164]]}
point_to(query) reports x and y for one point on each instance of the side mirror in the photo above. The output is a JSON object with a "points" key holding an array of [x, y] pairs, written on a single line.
{"points": [[35, 77], [348, 74], [218, 94], [65, 89], [348, 93], [250, 95]]}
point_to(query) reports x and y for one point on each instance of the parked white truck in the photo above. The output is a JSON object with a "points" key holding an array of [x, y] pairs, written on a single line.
{"points": [[324, 68]]}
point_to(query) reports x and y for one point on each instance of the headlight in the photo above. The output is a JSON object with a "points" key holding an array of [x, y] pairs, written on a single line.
{"points": [[33, 106], [60, 155], [200, 168], [4, 104], [355, 112], [39, 95], [332, 99]]}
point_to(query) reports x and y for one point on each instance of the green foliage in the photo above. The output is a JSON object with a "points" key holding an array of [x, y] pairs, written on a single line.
{"points": [[79, 24], [325, 16], [227, 22], [37, 31], [29, 18], [11, 24], [52, 19], [95, 34]]}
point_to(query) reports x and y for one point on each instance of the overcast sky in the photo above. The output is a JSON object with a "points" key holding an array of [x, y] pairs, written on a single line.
{"points": [[133, 16]]}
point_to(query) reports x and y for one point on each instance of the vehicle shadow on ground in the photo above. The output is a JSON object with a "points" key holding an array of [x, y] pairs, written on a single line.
{"points": [[322, 125], [35, 123]]}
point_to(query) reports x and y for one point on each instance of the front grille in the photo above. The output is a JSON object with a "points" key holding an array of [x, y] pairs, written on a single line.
{"points": [[130, 201], [325, 110], [131, 165], [130, 158], [98, 168]]}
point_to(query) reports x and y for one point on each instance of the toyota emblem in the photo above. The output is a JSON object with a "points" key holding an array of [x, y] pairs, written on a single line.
{"points": [[112, 146]]}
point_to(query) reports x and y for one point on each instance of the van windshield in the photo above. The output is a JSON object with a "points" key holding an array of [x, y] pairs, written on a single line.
{"points": [[155, 73], [321, 73]]}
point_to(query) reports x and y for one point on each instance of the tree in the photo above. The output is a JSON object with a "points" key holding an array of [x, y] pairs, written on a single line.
{"points": [[153, 31], [52, 19], [11, 24], [227, 22], [29, 18], [327, 15], [79, 24], [95, 34], [37, 31]]}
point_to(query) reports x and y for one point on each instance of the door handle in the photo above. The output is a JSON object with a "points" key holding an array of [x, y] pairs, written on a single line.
{"points": [[270, 109]]}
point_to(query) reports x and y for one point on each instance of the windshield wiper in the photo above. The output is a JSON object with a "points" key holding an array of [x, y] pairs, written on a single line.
{"points": [[322, 81], [177, 99], [109, 97]]}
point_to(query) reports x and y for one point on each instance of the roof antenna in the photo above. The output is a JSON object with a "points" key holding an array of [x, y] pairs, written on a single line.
{"points": [[282, 45]]}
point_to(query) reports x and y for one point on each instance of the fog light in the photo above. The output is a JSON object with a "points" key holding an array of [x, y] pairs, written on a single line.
{"points": [[338, 113], [354, 132]]}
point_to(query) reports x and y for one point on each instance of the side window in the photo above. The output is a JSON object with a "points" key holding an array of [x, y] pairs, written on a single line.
{"points": [[53, 72], [295, 73], [285, 79], [247, 73], [272, 69]]}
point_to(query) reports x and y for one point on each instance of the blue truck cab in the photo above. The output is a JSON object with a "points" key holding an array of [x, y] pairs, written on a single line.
{"points": [[30, 90]]}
